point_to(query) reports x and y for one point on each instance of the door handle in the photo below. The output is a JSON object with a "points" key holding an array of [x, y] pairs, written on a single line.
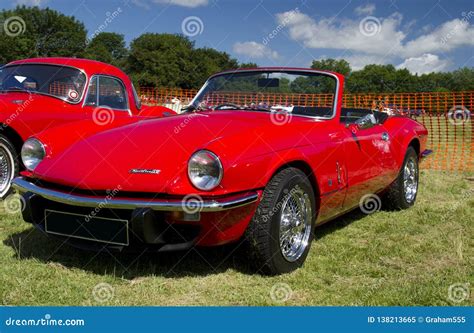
{"points": [[385, 136]]}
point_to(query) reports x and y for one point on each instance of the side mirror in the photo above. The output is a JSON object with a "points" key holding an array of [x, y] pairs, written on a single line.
{"points": [[366, 121]]}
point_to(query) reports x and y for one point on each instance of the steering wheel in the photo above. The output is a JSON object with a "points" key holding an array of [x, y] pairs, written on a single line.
{"points": [[231, 105]]}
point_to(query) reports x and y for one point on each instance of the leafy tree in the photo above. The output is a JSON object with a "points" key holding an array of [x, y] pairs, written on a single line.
{"points": [[108, 47], [209, 61], [43, 33], [334, 65], [161, 60], [248, 65]]}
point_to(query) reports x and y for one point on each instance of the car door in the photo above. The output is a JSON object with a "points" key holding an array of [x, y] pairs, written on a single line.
{"points": [[366, 147], [106, 99]]}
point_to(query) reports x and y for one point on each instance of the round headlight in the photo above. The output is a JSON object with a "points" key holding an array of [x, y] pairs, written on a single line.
{"points": [[205, 170], [32, 153]]}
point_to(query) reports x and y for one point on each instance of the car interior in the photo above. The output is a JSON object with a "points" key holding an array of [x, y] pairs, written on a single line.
{"points": [[348, 115]]}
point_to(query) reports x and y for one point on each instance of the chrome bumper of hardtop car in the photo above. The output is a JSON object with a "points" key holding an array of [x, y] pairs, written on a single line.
{"points": [[211, 205]]}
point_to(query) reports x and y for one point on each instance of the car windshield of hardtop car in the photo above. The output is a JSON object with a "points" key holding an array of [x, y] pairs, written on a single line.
{"points": [[66, 83], [303, 93]]}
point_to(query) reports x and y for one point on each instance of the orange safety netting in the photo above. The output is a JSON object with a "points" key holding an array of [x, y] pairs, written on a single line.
{"points": [[446, 115]]}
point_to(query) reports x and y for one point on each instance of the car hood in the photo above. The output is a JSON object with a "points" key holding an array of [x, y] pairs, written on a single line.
{"points": [[163, 146]]}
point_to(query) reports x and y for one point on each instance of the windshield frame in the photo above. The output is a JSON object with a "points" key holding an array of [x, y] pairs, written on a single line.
{"points": [[86, 82], [281, 70]]}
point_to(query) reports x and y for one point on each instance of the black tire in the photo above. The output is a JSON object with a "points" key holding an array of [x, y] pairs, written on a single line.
{"points": [[9, 166], [262, 236], [395, 198]]}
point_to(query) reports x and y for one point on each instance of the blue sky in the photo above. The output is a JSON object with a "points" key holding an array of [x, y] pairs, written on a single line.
{"points": [[422, 36]]}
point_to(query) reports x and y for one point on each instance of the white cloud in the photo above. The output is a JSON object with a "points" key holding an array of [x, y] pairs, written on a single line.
{"points": [[184, 3], [255, 50], [446, 37], [359, 61], [424, 64], [345, 34], [367, 9], [384, 37], [31, 2]]}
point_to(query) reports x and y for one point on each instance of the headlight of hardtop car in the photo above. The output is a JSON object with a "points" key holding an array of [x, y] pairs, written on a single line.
{"points": [[32, 153], [205, 170]]}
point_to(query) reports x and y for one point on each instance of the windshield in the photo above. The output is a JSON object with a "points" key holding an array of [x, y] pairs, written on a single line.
{"points": [[63, 82], [298, 92]]}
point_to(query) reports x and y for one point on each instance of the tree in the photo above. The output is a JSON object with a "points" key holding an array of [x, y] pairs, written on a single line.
{"points": [[209, 61], [161, 60], [334, 65], [380, 78], [248, 65], [39, 33], [108, 47]]}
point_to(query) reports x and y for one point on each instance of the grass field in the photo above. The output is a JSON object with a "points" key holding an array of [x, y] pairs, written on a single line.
{"points": [[388, 258]]}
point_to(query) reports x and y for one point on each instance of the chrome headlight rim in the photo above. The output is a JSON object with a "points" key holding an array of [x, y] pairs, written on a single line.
{"points": [[31, 162], [219, 166]]}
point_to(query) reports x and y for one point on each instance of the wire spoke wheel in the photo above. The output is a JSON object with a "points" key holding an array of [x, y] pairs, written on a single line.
{"points": [[410, 180], [6, 170], [295, 224]]}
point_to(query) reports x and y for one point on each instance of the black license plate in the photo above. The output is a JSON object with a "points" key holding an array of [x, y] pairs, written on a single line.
{"points": [[98, 229]]}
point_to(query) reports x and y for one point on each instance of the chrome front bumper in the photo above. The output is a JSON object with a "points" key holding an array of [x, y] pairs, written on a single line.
{"points": [[208, 205]]}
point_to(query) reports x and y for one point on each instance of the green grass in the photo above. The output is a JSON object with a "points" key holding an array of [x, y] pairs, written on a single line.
{"points": [[388, 258]]}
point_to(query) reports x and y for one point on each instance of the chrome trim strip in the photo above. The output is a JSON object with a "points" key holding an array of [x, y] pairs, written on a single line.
{"points": [[211, 205]]}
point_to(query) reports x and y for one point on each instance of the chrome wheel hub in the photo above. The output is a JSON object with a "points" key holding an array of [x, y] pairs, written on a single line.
{"points": [[5, 170], [295, 224], [410, 179]]}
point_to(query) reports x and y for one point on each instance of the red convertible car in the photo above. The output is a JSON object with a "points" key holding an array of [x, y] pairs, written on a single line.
{"points": [[36, 94], [260, 156]]}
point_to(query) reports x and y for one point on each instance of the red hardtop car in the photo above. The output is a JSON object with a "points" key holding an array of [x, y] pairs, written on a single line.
{"points": [[41, 93], [259, 156]]}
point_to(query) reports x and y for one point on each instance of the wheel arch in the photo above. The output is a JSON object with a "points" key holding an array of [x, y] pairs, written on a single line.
{"points": [[12, 135], [304, 167], [415, 143]]}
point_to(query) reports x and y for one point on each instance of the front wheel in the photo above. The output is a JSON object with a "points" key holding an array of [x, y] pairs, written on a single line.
{"points": [[8, 166], [280, 233], [402, 192]]}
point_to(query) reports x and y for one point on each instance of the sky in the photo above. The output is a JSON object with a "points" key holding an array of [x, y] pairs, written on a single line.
{"points": [[423, 36]]}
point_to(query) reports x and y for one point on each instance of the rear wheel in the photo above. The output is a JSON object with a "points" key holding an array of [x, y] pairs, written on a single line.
{"points": [[402, 192], [280, 233], [8, 166]]}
